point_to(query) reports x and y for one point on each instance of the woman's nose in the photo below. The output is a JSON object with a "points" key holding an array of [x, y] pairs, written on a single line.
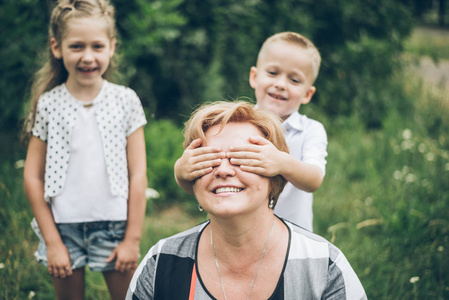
{"points": [[225, 169]]}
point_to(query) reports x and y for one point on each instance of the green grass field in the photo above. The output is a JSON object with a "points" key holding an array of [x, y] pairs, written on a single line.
{"points": [[384, 201]]}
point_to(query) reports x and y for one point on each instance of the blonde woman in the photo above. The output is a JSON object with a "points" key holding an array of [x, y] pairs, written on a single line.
{"points": [[244, 251]]}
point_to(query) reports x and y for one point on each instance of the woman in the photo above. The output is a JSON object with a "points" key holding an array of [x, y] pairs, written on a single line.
{"points": [[244, 251]]}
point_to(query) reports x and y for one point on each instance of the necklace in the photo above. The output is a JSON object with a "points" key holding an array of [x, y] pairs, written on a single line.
{"points": [[258, 267]]}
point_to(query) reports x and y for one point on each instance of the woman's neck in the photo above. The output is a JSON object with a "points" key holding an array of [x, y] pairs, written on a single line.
{"points": [[231, 257], [241, 235]]}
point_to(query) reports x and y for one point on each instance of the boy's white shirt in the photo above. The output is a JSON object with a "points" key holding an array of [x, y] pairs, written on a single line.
{"points": [[307, 142]]}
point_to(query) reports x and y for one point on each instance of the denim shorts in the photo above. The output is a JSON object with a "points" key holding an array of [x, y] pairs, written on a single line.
{"points": [[88, 243]]}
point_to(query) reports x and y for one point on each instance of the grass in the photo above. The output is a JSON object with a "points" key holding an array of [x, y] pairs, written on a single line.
{"points": [[384, 202]]}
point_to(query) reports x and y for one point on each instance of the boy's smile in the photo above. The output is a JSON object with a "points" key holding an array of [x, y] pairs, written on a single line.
{"points": [[283, 78]]}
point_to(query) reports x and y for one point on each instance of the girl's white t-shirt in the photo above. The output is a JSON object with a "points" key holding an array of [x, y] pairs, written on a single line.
{"points": [[87, 196]]}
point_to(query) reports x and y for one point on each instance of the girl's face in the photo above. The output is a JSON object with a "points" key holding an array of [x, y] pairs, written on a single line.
{"points": [[228, 191], [86, 50]]}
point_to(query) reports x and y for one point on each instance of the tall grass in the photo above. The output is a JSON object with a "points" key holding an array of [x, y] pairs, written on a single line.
{"points": [[384, 201]]}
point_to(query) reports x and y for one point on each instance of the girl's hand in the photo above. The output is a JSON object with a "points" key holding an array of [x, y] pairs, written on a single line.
{"points": [[197, 161], [126, 255], [58, 259], [261, 157]]}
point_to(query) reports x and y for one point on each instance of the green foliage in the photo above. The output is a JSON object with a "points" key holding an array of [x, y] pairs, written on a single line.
{"points": [[384, 202], [178, 53], [23, 27], [384, 199], [164, 146], [425, 42]]}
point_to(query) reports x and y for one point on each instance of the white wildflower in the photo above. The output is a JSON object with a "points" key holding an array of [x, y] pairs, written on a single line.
{"points": [[405, 169], [407, 145], [397, 175], [422, 148], [414, 279], [407, 134], [2, 266], [19, 164], [430, 156], [425, 183], [151, 194], [31, 294], [410, 178], [440, 249]]}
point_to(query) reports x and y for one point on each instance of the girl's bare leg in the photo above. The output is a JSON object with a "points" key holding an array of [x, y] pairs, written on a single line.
{"points": [[118, 283], [70, 288]]}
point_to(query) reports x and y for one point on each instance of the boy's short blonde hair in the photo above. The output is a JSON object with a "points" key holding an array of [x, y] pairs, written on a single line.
{"points": [[223, 112], [301, 41]]}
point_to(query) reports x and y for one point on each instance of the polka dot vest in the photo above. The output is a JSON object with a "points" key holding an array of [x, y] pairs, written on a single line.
{"points": [[119, 113]]}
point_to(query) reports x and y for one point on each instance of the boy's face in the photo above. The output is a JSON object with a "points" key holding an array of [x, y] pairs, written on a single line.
{"points": [[282, 79]]}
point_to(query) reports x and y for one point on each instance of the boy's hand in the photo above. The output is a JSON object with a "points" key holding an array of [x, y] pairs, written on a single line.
{"points": [[197, 161], [58, 260], [126, 255], [261, 157]]}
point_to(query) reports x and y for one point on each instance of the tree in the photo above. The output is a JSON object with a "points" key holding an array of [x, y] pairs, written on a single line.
{"points": [[179, 53]]}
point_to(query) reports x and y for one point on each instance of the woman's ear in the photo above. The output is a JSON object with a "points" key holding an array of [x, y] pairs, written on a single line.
{"points": [[55, 48]]}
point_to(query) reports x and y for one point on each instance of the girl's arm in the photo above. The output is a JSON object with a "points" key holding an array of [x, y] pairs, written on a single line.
{"points": [[127, 252], [57, 255]]}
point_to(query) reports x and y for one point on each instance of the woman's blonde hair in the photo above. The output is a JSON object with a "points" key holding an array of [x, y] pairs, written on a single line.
{"points": [[53, 72], [224, 112]]}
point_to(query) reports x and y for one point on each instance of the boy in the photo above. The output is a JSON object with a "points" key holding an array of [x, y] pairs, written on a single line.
{"points": [[287, 66]]}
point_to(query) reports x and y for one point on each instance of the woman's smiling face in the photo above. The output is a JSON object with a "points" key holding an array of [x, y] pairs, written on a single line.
{"points": [[228, 191]]}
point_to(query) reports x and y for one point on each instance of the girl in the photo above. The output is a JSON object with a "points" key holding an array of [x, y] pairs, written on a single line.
{"points": [[85, 171]]}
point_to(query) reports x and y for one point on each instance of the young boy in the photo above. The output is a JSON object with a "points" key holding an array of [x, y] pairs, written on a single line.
{"points": [[287, 66]]}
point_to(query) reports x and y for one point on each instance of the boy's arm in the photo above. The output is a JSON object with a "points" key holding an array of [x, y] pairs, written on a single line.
{"points": [[196, 161], [58, 258], [127, 252], [263, 158]]}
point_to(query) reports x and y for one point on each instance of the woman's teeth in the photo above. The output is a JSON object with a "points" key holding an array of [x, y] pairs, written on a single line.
{"points": [[227, 190]]}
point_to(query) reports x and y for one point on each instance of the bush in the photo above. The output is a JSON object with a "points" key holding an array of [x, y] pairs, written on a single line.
{"points": [[164, 146]]}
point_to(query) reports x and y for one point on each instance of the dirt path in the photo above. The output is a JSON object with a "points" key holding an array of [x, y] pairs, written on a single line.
{"points": [[434, 72]]}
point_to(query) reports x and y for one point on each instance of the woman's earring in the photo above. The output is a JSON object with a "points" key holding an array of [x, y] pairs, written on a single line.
{"points": [[271, 203], [200, 208]]}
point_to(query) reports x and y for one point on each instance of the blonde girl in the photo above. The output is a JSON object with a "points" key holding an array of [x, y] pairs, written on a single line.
{"points": [[85, 171]]}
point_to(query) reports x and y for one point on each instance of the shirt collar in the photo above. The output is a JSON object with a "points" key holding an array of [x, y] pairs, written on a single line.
{"points": [[293, 122]]}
